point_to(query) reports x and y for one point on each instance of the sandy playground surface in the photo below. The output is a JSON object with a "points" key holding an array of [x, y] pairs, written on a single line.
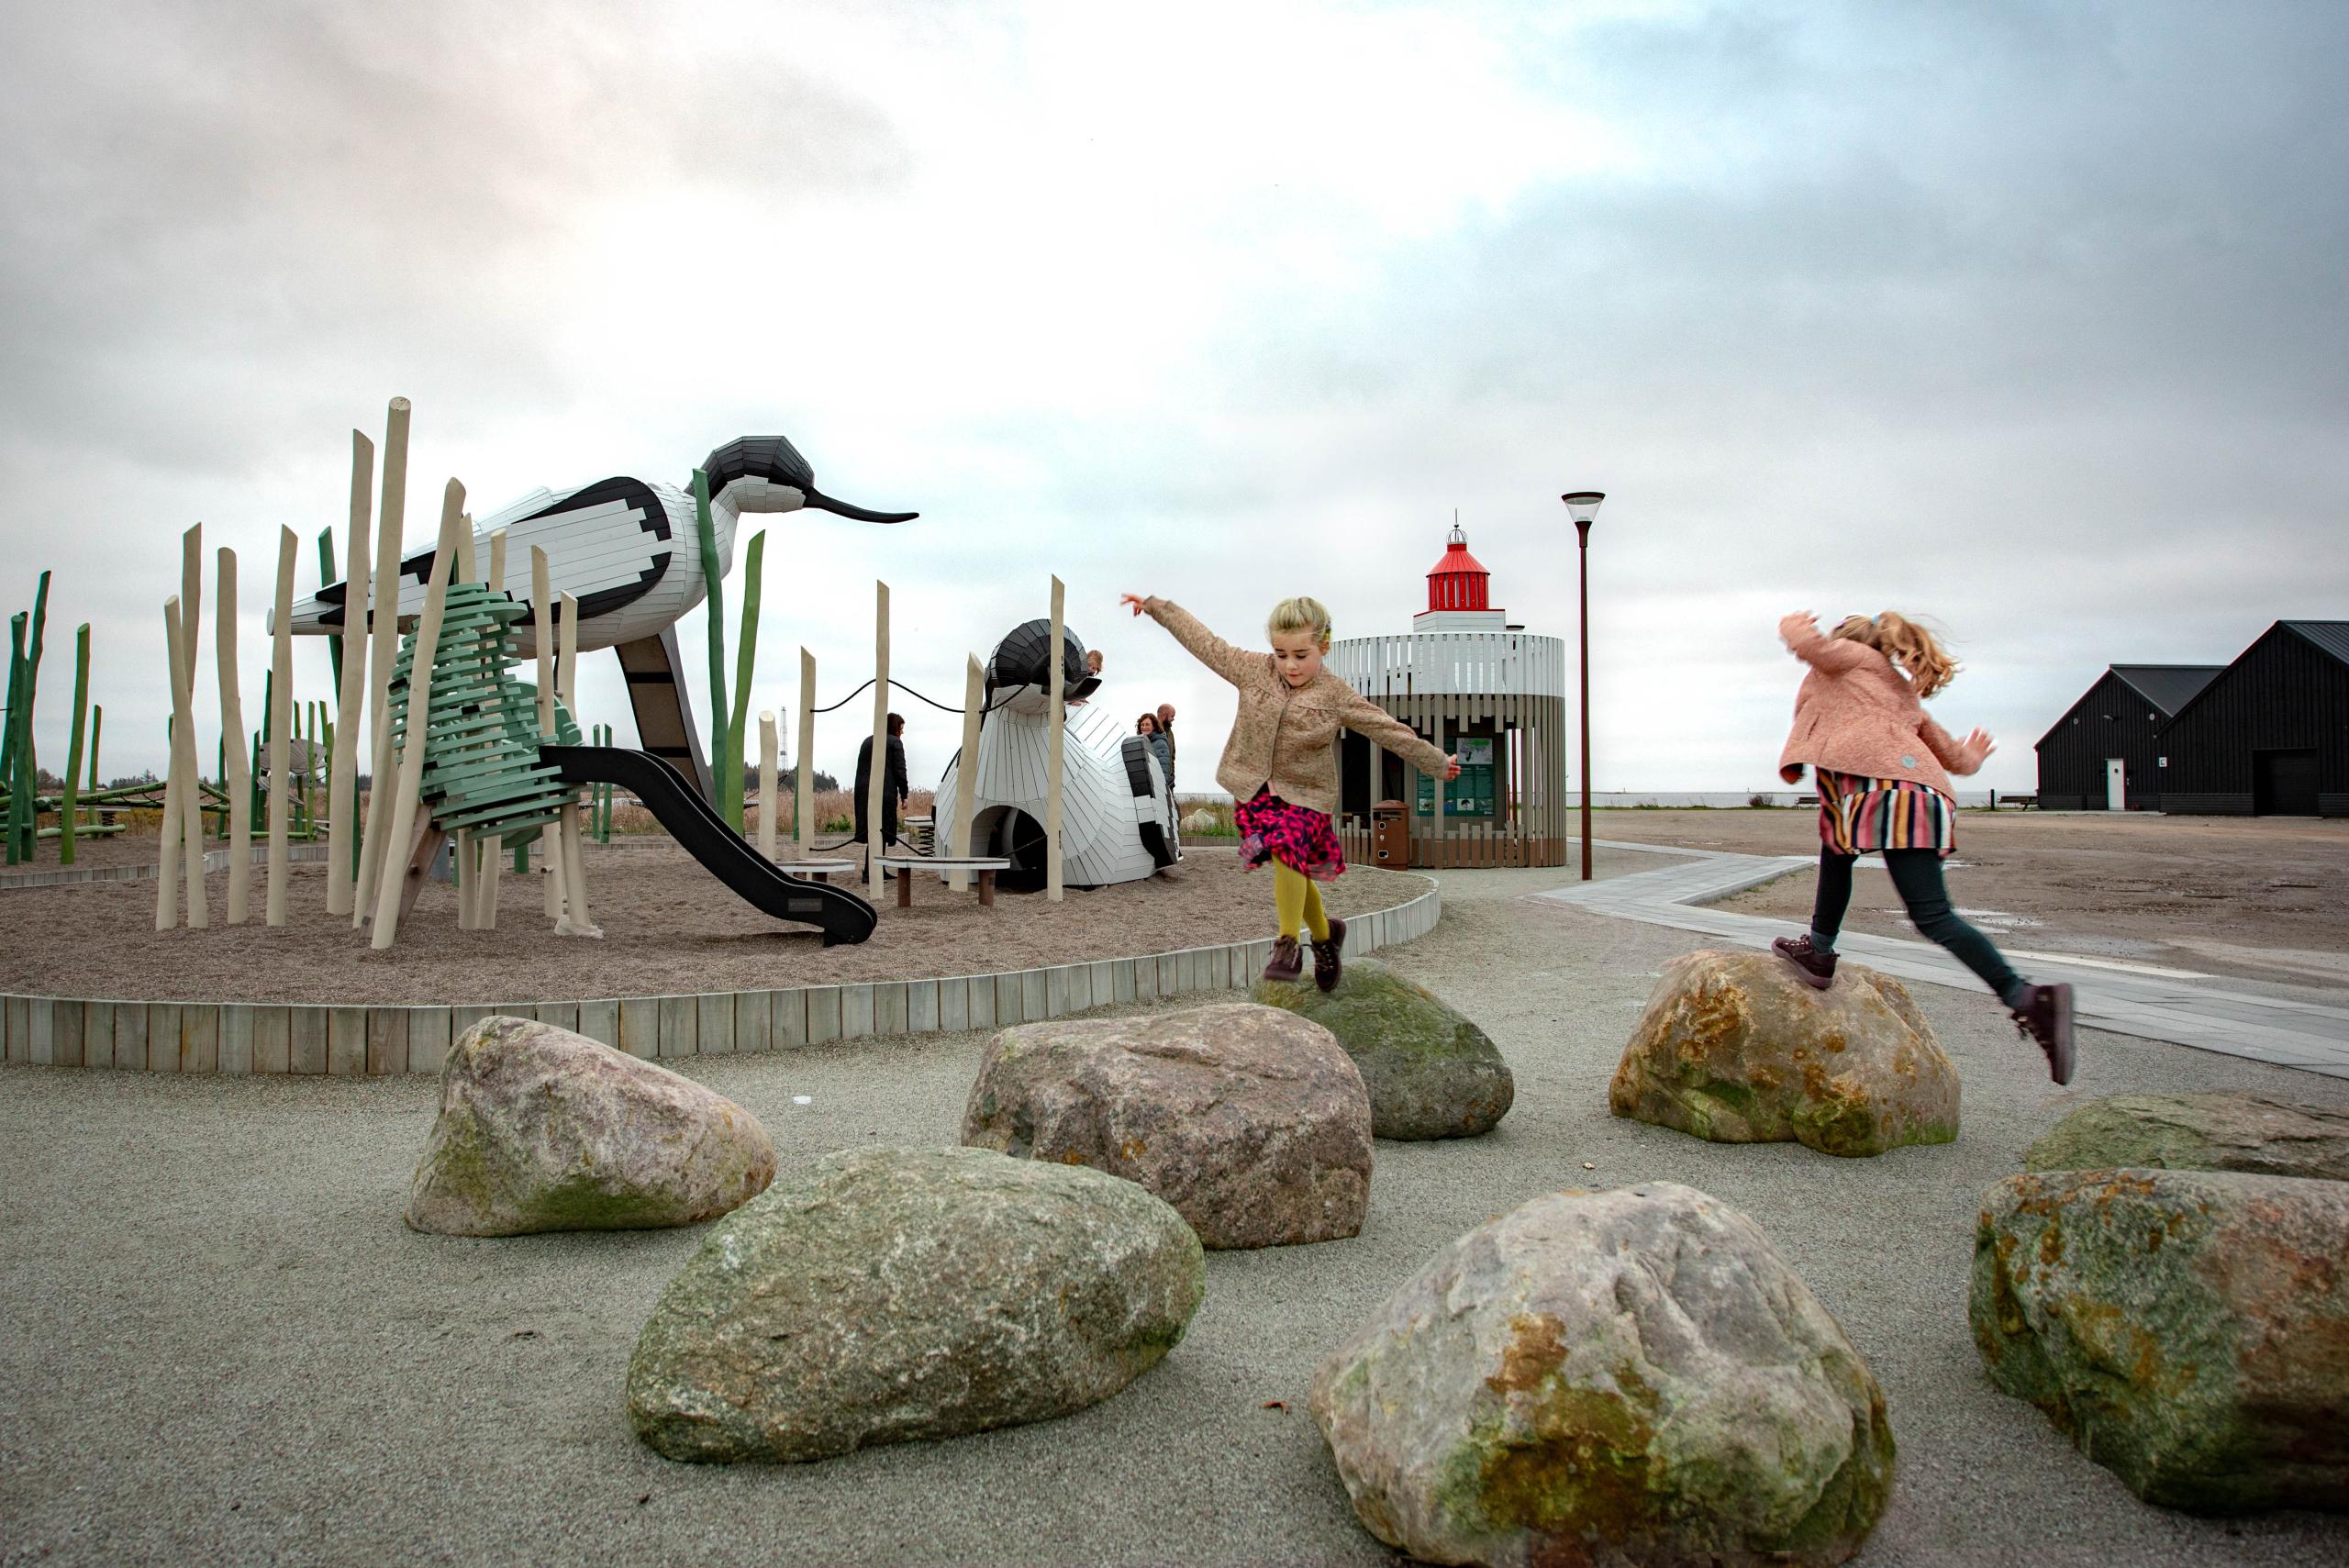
{"points": [[669, 928]]}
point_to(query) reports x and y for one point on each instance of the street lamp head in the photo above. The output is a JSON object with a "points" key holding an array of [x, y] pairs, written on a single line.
{"points": [[1581, 506]]}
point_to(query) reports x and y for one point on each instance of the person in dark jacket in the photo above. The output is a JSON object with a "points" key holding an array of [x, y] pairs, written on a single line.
{"points": [[895, 789], [1167, 731]]}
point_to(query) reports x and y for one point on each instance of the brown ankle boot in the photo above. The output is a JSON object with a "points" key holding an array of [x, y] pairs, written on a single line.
{"points": [[2045, 1016], [1326, 967], [1287, 963], [1817, 968]]}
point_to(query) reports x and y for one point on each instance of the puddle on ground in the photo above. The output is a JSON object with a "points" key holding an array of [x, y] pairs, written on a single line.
{"points": [[1999, 919]]}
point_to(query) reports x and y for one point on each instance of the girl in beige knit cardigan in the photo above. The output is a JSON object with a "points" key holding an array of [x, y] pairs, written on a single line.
{"points": [[1281, 764]]}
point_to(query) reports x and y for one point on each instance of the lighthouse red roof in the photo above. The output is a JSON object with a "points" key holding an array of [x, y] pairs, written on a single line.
{"points": [[1460, 581], [1457, 558]]}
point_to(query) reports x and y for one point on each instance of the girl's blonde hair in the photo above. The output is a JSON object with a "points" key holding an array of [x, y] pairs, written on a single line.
{"points": [[1919, 655], [1300, 614]]}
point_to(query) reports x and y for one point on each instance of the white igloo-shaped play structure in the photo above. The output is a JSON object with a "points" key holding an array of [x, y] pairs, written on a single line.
{"points": [[1117, 819]]}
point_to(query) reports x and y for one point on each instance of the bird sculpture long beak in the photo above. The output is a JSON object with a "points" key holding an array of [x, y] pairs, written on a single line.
{"points": [[818, 498]]}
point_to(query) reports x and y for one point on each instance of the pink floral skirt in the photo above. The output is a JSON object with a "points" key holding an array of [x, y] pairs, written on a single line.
{"points": [[1298, 837]]}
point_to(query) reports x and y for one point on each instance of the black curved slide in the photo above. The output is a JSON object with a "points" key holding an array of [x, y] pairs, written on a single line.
{"points": [[841, 915]]}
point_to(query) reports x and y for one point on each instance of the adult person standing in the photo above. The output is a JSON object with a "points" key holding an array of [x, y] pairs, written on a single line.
{"points": [[1160, 747], [1166, 730], [895, 788]]}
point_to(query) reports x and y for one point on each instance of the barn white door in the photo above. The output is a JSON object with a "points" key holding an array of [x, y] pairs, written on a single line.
{"points": [[2116, 785]]}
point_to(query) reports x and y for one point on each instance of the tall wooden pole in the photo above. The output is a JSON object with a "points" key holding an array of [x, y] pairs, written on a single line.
{"points": [[542, 639], [767, 784], [576, 922], [406, 795], [238, 772], [803, 805], [1582, 534], [967, 766], [877, 778], [281, 721], [384, 649], [167, 869], [192, 788], [350, 700], [1057, 717]]}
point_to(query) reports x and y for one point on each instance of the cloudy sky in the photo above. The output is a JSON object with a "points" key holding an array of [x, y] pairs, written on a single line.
{"points": [[2028, 318]]}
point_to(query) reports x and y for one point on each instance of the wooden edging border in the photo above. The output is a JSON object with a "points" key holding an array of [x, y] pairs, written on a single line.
{"points": [[358, 1041]]}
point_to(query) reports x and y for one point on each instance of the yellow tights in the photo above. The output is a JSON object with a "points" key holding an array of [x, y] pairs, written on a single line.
{"points": [[1298, 899]]}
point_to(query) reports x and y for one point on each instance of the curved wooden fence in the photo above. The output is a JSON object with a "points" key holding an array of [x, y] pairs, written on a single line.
{"points": [[359, 1040]]}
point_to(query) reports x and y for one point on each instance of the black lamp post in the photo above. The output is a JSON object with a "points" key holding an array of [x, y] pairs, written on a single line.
{"points": [[1581, 506]]}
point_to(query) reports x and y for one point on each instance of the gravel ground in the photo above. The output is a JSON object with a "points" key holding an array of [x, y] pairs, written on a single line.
{"points": [[224, 1347]]}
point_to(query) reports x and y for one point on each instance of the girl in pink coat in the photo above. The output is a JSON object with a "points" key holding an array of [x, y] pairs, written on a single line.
{"points": [[1882, 786]]}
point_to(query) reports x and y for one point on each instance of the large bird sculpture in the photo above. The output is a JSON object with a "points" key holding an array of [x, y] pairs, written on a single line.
{"points": [[627, 549]]}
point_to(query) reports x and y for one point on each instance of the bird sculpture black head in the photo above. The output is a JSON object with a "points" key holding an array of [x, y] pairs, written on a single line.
{"points": [[1019, 660], [766, 474]]}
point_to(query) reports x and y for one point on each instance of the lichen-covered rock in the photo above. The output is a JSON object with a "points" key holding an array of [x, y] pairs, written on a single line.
{"points": [[1620, 1378], [2230, 1131], [543, 1130], [1430, 1070], [889, 1295], [1253, 1122], [2188, 1329], [1734, 1048]]}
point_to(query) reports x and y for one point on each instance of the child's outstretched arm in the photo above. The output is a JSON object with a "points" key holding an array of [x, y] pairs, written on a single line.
{"points": [[1367, 719], [1232, 663], [1960, 757], [1800, 633]]}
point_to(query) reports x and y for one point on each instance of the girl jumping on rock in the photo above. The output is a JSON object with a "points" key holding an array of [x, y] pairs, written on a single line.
{"points": [[1281, 764], [1880, 758]]}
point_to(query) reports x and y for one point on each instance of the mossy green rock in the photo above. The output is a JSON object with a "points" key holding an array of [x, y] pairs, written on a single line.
{"points": [[1430, 1070], [2189, 1329], [1620, 1378], [887, 1295], [544, 1129], [2230, 1131], [1735, 1047]]}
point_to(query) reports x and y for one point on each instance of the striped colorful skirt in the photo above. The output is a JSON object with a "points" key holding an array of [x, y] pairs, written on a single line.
{"points": [[1297, 836], [1857, 814]]}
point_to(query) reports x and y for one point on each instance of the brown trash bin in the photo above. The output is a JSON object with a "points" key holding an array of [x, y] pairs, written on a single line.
{"points": [[1390, 836]]}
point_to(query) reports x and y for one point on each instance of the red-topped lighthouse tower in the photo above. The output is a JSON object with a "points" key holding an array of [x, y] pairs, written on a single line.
{"points": [[1458, 593], [1487, 691]]}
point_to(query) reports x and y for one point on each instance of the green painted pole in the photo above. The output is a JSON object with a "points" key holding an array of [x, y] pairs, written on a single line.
{"points": [[97, 718], [27, 764], [66, 813], [326, 579], [714, 597], [745, 662], [11, 768]]}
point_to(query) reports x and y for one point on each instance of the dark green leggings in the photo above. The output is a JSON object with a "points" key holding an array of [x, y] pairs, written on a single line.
{"points": [[1918, 875]]}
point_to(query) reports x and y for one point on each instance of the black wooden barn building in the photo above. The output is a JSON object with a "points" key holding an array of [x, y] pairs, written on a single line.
{"points": [[2102, 753], [2270, 734], [2267, 735]]}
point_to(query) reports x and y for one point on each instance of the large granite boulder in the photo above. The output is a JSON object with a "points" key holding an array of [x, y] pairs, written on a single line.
{"points": [[2189, 1329], [2230, 1131], [1734, 1048], [889, 1295], [1430, 1070], [1620, 1378], [1253, 1122], [543, 1130]]}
